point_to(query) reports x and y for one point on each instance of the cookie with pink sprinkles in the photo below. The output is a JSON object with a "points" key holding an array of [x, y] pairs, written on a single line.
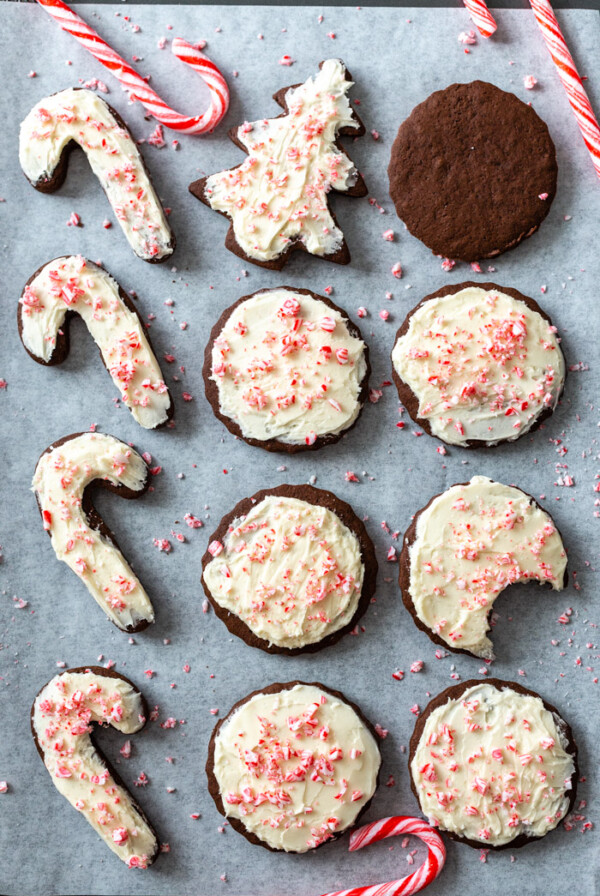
{"points": [[292, 766], [286, 370], [493, 765], [277, 200], [477, 364], [464, 548], [290, 570]]}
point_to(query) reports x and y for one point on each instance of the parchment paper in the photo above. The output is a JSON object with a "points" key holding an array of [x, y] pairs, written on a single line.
{"points": [[397, 57]]}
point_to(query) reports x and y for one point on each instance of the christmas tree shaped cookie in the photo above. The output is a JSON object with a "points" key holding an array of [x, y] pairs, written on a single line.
{"points": [[277, 199]]}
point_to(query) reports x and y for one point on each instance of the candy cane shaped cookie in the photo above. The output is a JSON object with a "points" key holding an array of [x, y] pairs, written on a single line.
{"points": [[78, 117], [73, 285], [79, 536], [61, 723]]}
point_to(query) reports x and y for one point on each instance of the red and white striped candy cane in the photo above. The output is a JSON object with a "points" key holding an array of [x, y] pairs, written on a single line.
{"points": [[391, 827], [568, 74], [137, 88], [482, 17]]}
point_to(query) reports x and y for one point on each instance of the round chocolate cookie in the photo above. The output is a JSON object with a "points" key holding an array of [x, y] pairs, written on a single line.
{"points": [[290, 570], [492, 764], [286, 370], [464, 548], [473, 171], [476, 364], [290, 746]]}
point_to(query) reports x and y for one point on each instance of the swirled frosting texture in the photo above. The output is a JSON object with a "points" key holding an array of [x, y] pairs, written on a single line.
{"points": [[296, 767], [492, 765], [482, 364], [291, 571], [62, 717], [470, 543], [82, 116], [74, 284], [278, 195], [287, 368], [61, 476]]}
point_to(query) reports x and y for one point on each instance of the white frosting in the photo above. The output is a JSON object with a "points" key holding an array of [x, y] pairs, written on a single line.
{"points": [[73, 284], [287, 368], [278, 195], [81, 115], [292, 571], [296, 767], [471, 542], [483, 365], [62, 718], [60, 479], [493, 765]]}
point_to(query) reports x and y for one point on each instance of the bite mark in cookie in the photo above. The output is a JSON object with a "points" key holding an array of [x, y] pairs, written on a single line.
{"points": [[277, 200], [477, 364], [493, 764], [291, 569], [464, 548], [473, 171], [293, 765], [77, 116], [79, 536], [73, 285], [286, 370], [62, 716]]}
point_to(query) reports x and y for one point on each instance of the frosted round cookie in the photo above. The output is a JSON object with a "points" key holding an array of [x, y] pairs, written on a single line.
{"points": [[293, 765], [476, 364], [286, 370], [290, 569], [493, 764], [62, 716], [464, 548]]}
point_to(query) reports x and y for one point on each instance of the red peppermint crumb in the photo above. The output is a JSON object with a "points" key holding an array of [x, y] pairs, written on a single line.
{"points": [[286, 60], [163, 544], [186, 668], [398, 674], [415, 709], [149, 673], [375, 135], [107, 224], [391, 555], [396, 268], [529, 82], [384, 314], [125, 750], [417, 666], [192, 521], [381, 732], [74, 220], [448, 264], [388, 235], [3, 787], [362, 312]]}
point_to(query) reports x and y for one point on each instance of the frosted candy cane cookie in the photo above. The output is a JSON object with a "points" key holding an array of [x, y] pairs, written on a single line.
{"points": [[80, 537], [286, 370], [78, 117], [62, 716], [278, 199], [290, 569], [492, 764], [73, 285], [476, 364], [464, 548], [293, 766]]}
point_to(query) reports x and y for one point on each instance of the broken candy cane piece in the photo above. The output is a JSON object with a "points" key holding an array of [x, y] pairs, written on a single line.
{"points": [[79, 536], [61, 722], [391, 827], [77, 115], [73, 285]]}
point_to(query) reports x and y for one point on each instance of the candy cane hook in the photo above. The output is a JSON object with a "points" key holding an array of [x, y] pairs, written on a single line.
{"points": [[391, 827], [136, 87]]}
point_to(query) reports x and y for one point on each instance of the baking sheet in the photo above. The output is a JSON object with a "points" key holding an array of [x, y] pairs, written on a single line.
{"points": [[397, 57]]}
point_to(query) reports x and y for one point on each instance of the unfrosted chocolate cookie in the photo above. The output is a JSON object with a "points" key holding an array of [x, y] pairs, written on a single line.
{"points": [[286, 370], [492, 764], [476, 364], [61, 723], [464, 548], [315, 744], [290, 570], [473, 171], [278, 199]]}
